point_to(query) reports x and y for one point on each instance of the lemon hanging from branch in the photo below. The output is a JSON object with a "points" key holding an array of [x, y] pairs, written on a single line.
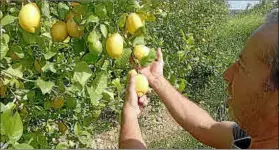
{"points": [[114, 45], [134, 22], [29, 17], [141, 51], [74, 29], [59, 31]]}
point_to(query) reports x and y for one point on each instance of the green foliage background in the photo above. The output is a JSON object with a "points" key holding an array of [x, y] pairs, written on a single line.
{"points": [[199, 40]]}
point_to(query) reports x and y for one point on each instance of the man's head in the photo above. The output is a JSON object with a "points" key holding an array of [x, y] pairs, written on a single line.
{"points": [[253, 79]]}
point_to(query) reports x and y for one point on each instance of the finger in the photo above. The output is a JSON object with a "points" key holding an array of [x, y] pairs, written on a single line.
{"points": [[142, 99], [132, 83], [159, 55]]}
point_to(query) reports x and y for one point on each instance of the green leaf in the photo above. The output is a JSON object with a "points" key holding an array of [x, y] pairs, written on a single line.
{"points": [[93, 19], [78, 45], [85, 138], [108, 95], [45, 8], [77, 129], [18, 51], [104, 30], [49, 53], [23, 146], [100, 10], [45, 86], [139, 40], [122, 19], [29, 38], [149, 59], [62, 145], [97, 88], [121, 62], [80, 9], [62, 10], [4, 50], [70, 102], [4, 45], [90, 58], [14, 72], [82, 73], [12, 125], [49, 66], [8, 19], [116, 83]]}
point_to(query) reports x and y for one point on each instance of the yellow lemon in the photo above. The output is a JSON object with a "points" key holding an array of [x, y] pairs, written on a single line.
{"points": [[73, 29], [59, 31], [29, 17], [114, 45], [133, 23], [57, 102], [142, 85], [141, 51]]}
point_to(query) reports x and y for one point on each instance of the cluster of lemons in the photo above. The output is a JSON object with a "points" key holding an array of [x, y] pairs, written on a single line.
{"points": [[29, 20]]}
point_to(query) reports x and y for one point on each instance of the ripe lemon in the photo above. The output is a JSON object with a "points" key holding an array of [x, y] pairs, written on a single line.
{"points": [[73, 29], [59, 31], [114, 45], [141, 51], [142, 85], [95, 47], [57, 102], [133, 23], [29, 17]]}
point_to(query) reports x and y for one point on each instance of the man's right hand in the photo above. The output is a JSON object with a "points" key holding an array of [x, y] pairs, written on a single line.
{"points": [[155, 70]]}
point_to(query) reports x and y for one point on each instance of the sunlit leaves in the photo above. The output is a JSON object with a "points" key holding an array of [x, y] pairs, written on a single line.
{"points": [[82, 73], [45, 86], [96, 89], [8, 19], [12, 125]]}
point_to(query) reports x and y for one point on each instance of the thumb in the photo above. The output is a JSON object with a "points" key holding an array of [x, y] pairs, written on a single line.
{"points": [[132, 81]]}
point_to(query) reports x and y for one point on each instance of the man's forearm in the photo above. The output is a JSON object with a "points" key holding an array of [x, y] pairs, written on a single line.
{"points": [[130, 134], [190, 116]]}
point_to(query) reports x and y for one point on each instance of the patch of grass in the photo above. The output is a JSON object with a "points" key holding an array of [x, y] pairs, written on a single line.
{"points": [[178, 140]]}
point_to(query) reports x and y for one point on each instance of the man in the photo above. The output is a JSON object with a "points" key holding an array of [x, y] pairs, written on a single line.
{"points": [[253, 88]]}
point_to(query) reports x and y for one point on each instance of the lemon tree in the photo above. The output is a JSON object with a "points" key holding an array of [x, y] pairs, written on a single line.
{"points": [[64, 67]]}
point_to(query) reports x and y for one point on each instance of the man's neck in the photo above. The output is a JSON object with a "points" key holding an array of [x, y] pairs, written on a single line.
{"points": [[267, 137]]}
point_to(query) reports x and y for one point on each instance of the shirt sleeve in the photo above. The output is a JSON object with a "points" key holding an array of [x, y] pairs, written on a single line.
{"points": [[238, 133]]}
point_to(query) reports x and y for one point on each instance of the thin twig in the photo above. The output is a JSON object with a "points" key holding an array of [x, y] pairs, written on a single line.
{"points": [[19, 77]]}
